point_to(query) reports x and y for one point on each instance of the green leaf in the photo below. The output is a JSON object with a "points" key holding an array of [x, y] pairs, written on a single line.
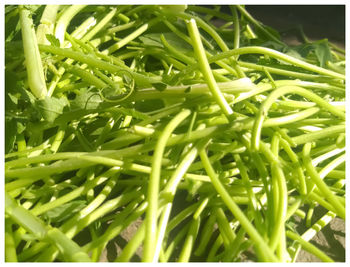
{"points": [[320, 48], [110, 93], [20, 127], [188, 89], [159, 86], [150, 41], [86, 100], [51, 107], [13, 98], [12, 26], [269, 44], [153, 39], [53, 40], [300, 51], [11, 88], [64, 211], [10, 134], [9, 8], [27, 96], [272, 31], [323, 52], [177, 42]]}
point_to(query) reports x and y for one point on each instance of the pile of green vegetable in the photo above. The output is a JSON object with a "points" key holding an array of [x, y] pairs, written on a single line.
{"points": [[195, 126]]}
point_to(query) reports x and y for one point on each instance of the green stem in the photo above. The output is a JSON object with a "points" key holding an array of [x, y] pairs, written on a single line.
{"points": [[130, 249], [64, 20], [47, 23], [187, 247], [277, 55], [107, 18], [206, 234], [308, 246], [10, 246], [69, 249], [169, 192], [257, 24], [205, 68], [277, 238], [314, 136], [236, 36], [321, 185], [97, 63], [35, 72], [153, 188], [236, 211], [130, 213], [263, 111]]}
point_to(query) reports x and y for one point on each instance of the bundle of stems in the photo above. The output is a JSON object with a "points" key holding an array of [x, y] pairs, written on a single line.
{"points": [[213, 142]]}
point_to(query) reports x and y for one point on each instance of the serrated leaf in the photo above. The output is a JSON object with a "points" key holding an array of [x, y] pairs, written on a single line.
{"points": [[26, 95], [51, 107], [53, 40], [86, 100]]}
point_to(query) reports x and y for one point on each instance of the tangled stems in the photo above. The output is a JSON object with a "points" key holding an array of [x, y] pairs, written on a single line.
{"points": [[308, 246], [97, 63], [280, 202], [236, 211], [277, 55], [113, 184], [153, 188], [263, 111], [69, 249], [169, 192], [321, 185]]}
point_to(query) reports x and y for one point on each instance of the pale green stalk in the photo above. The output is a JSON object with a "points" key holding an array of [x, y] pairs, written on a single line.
{"points": [[35, 72]]}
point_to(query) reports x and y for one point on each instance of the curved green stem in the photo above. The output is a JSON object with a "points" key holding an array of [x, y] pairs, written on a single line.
{"points": [[236, 211], [277, 55], [69, 249], [321, 185], [153, 188], [205, 68], [64, 20], [263, 111], [309, 247]]}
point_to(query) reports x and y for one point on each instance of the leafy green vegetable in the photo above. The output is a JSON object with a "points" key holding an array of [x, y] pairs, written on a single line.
{"points": [[53, 40], [51, 107], [195, 141], [86, 99]]}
